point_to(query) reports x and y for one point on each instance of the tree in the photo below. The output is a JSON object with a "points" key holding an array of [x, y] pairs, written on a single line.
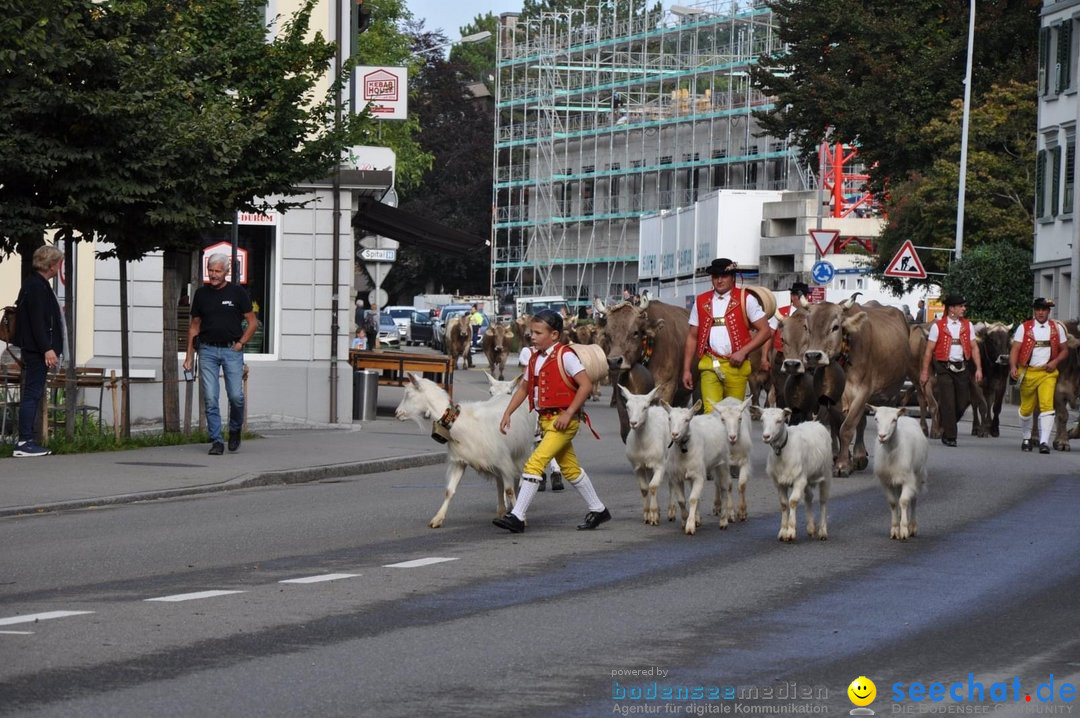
{"points": [[876, 73], [1000, 182], [994, 281]]}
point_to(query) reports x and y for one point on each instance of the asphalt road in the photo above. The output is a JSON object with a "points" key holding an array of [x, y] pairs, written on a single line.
{"points": [[553, 622]]}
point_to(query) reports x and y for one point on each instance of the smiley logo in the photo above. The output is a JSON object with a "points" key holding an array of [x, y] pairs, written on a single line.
{"points": [[862, 691]]}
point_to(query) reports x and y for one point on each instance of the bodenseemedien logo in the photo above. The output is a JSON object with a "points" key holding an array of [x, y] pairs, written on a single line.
{"points": [[862, 692]]}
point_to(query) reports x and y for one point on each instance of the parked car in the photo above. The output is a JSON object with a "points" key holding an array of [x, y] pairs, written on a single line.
{"points": [[389, 336], [402, 317], [421, 328], [449, 313]]}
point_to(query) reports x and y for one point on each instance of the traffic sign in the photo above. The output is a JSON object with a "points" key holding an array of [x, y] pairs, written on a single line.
{"points": [[906, 264], [823, 239], [378, 255], [822, 272]]}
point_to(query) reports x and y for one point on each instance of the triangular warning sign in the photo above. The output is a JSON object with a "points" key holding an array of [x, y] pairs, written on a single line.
{"points": [[906, 263], [824, 239]]}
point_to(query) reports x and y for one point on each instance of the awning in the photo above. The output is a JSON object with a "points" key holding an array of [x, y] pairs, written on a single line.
{"points": [[408, 228]]}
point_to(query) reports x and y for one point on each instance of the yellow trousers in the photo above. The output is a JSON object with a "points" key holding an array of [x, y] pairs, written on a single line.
{"points": [[1037, 384], [734, 384], [556, 445]]}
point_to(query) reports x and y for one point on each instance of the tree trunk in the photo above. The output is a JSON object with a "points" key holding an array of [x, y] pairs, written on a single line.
{"points": [[71, 389], [170, 300], [125, 355]]}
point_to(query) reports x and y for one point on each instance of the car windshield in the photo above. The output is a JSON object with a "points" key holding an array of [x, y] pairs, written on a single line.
{"points": [[386, 321], [421, 318], [401, 313]]}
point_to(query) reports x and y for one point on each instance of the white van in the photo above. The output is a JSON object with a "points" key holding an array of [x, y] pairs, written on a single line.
{"points": [[402, 316], [532, 305]]}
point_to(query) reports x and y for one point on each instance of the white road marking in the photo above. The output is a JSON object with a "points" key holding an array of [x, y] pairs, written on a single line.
{"points": [[32, 617], [415, 563], [17, 633], [192, 596], [323, 577]]}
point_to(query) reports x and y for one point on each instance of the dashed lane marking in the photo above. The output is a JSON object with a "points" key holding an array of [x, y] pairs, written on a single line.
{"points": [[34, 617], [192, 596], [323, 577], [415, 563], [16, 633]]}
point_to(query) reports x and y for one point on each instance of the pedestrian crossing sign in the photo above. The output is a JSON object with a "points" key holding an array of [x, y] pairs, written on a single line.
{"points": [[906, 264]]}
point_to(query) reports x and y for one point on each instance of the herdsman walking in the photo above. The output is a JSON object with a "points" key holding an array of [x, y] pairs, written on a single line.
{"points": [[217, 312], [951, 353], [1039, 345]]}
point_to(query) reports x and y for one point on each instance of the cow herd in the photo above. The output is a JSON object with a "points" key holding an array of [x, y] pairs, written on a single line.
{"points": [[838, 363]]}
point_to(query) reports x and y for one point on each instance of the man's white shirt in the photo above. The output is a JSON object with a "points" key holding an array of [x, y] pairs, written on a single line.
{"points": [[1040, 355], [956, 351], [719, 339]]}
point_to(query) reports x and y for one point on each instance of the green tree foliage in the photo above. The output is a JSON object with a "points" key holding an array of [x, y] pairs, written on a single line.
{"points": [[478, 58], [876, 73], [994, 280], [1000, 182]]}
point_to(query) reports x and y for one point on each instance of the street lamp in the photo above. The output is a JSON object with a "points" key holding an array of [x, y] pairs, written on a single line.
{"points": [[964, 136]]}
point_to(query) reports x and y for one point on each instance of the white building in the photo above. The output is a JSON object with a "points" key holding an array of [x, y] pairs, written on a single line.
{"points": [[1056, 264]]}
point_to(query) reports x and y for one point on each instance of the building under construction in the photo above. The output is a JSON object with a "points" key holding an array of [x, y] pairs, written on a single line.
{"points": [[604, 118]]}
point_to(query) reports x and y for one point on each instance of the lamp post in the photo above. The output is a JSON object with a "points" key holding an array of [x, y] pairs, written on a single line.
{"points": [[964, 135]]}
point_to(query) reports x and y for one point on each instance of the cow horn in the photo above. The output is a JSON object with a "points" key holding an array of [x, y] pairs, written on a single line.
{"points": [[598, 305], [644, 299], [804, 302], [850, 302]]}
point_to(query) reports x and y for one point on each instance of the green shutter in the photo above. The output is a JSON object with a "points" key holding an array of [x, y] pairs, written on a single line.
{"points": [[1064, 55], [1070, 176], [1040, 184], [1055, 182], [1044, 60]]}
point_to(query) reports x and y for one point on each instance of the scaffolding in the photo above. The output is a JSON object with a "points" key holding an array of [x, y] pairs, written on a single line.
{"points": [[603, 118]]}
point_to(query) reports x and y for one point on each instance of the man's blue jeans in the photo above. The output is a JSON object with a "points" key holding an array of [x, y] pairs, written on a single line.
{"points": [[212, 362], [33, 389]]}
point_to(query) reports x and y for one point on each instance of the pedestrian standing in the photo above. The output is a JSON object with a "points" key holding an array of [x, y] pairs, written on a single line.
{"points": [[218, 311], [39, 332], [557, 386], [476, 321], [952, 354], [1039, 345], [920, 315]]}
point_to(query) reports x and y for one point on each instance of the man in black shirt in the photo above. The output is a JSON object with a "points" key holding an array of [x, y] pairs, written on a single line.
{"points": [[216, 314], [39, 332]]}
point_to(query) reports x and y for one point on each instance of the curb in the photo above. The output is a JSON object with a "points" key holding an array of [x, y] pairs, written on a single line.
{"points": [[269, 478]]}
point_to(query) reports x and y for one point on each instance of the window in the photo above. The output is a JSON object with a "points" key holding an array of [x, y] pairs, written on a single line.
{"points": [[1064, 56]]}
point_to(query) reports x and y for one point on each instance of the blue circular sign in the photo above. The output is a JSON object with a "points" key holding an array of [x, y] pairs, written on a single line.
{"points": [[822, 272]]}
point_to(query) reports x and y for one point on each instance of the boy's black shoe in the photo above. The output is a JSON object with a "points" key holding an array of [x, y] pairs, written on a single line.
{"points": [[556, 481], [511, 523], [216, 449], [594, 519], [1025, 445], [234, 441], [1044, 449]]}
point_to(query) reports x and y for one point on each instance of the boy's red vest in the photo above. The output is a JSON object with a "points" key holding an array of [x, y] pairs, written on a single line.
{"points": [[1028, 344], [556, 388], [735, 321], [777, 339], [945, 339]]}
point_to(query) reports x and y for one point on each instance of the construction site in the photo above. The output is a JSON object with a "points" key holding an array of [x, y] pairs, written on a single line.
{"points": [[604, 119]]}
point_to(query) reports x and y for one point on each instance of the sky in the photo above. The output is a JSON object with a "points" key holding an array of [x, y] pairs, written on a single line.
{"points": [[449, 15]]}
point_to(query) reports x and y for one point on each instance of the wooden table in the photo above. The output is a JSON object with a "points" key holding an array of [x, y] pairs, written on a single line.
{"points": [[394, 367]]}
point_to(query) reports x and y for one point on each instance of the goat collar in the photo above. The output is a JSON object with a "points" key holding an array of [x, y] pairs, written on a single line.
{"points": [[449, 416], [682, 443], [648, 344], [778, 449]]}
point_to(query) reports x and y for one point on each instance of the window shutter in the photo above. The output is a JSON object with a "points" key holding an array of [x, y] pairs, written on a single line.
{"points": [[1040, 184], [1070, 176], [1055, 182], [1064, 56], [1044, 60]]}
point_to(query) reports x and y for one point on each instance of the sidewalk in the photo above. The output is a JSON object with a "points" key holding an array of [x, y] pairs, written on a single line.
{"points": [[285, 454]]}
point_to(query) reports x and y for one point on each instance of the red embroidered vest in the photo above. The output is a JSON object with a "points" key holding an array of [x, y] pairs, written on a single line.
{"points": [[945, 339], [735, 322], [777, 340], [1028, 345], [556, 389]]}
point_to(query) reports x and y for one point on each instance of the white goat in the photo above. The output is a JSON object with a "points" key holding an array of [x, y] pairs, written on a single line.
{"points": [[900, 465], [646, 447], [498, 386], [800, 458], [697, 448], [475, 439], [736, 417]]}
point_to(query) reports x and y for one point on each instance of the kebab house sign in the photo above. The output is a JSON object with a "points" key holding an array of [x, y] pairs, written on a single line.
{"points": [[384, 91]]}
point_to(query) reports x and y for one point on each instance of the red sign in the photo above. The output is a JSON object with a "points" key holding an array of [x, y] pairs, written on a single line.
{"points": [[906, 264], [824, 238], [226, 249]]}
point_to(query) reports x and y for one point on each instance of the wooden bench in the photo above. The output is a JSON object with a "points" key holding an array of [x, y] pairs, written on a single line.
{"points": [[394, 367]]}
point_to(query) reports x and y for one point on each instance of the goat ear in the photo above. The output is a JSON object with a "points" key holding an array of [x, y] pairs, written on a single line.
{"points": [[871, 410], [667, 406], [902, 411], [696, 407], [746, 403], [787, 414], [517, 380], [414, 380], [490, 378]]}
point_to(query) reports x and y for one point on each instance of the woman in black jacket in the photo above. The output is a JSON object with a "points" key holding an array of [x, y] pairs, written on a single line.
{"points": [[39, 332]]}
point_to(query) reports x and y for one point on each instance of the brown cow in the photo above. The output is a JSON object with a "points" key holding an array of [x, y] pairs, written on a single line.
{"points": [[993, 343], [1068, 389], [653, 335], [496, 346], [871, 343], [459, 341]]}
